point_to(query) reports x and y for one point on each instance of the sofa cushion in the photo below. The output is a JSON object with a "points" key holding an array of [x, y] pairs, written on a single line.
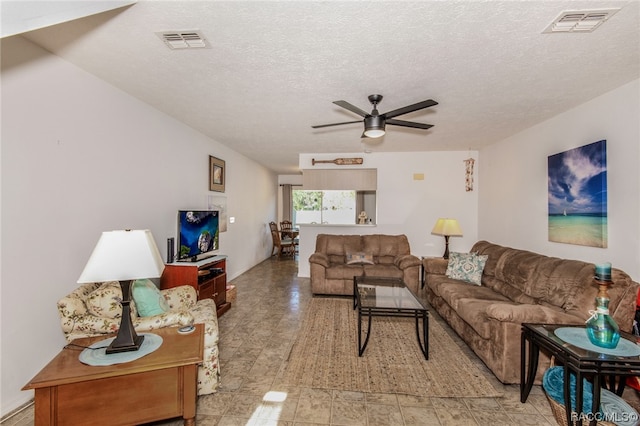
{"points": [[149, 300], [494, 252], [105, 301], [453, 291], [339, 245], [382, 270], [359, 258], [474, 313], [343, 272], [181, 297], [466, 267], [521, 313], [386, 245]]}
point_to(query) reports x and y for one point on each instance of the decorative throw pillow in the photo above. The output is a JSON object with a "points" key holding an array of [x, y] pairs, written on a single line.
{"points": [[359, 258], [105, 300], [149, 300], [466, 267]]}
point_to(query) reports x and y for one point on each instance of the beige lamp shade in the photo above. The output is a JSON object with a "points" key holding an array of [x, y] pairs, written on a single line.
{"points": [[123, 255], [447, 227]]}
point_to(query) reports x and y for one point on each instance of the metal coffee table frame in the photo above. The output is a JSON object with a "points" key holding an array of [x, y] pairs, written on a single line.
{"points": [[401, 303]]}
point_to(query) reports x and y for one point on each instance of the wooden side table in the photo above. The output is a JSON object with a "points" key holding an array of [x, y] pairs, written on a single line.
{"points": [[158, 386]]}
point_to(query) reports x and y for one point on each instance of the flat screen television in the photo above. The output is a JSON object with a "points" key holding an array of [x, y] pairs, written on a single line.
{"points": [[198, 234]]}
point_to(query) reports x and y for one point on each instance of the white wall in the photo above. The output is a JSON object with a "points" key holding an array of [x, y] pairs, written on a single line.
{"points": [[513, 197], [408, 206], [80, 157]]}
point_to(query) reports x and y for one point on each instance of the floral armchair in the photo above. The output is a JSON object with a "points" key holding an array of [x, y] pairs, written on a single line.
{"points": [[94, 309]]}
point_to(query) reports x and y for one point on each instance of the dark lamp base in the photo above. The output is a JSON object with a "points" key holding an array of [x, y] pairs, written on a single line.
{"points": [[127, 339], [446, 247], [116, 347]]}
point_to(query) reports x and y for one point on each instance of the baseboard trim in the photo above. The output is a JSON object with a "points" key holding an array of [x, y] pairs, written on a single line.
{"points": [[17, 411]]}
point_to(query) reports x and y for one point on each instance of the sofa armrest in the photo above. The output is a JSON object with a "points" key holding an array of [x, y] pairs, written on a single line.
{"points": [[435, 265], [181, 297], [168, 319], [523, 313], [405, 261], [205, 313], [320, 259]]}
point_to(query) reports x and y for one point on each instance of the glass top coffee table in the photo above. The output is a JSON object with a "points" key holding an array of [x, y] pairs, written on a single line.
{"points": [[388, 297]]}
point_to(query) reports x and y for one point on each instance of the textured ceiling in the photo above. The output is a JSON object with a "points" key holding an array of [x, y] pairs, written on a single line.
{"points": [[274, 68]]}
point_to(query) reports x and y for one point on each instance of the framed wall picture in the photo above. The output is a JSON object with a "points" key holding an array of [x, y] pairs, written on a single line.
{"points": [[578, 196], [216, 174]]}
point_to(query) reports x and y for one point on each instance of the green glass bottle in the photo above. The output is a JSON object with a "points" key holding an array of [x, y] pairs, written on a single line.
{"points": [[601, 328]]}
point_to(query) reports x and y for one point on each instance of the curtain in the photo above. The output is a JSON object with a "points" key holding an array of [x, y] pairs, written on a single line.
{"points": [[287, 202], [359, 204]]}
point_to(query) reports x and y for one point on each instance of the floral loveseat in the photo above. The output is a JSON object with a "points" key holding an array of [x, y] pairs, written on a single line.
{"points": [[94, 309]]}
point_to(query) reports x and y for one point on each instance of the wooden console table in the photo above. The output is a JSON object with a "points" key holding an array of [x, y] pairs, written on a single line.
{"points": [[160, 385]]}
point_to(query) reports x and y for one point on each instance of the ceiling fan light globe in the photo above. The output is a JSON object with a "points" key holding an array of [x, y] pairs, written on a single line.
{"points": [[374, 126], [374, 133]]}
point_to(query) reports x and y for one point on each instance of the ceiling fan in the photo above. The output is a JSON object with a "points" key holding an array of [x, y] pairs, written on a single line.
{"points": [[374, 122]]}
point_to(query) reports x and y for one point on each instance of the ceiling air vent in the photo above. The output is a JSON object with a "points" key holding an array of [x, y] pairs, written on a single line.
{"points": [[580, 21], [184, 39]]}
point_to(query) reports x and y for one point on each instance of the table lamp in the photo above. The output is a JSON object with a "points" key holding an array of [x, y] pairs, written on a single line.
{"points": [[447, 228], [124, 256]]}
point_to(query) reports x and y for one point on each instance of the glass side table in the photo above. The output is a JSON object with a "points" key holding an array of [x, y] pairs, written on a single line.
{"points": [[607, 369]]}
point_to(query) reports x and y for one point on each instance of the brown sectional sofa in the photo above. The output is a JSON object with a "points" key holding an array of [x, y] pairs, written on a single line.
{"points": [[520, 287], [391, 255]]}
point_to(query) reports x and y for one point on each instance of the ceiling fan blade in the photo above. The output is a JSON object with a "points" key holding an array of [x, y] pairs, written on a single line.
{"points": [[410, 108], [335, 124], [352, 108], [409, 124]]}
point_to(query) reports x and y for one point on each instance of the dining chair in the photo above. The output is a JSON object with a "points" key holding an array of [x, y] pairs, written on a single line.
{"points": [[288, 232], [283, 245], [285, 228]]}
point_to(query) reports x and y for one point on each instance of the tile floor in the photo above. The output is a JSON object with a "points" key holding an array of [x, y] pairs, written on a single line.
{"points": [[255, 337]]}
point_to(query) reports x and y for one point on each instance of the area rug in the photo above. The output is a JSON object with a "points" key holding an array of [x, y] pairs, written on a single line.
{"points": [[325, 356]]}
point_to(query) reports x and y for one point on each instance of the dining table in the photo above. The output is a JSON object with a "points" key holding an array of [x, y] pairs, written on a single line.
{"points": [[290, 233]]}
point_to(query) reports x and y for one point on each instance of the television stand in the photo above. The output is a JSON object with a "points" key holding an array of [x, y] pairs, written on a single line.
{"points": [[207, 276]]}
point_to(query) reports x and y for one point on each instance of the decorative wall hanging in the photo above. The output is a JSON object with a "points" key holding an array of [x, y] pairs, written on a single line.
{"points": [[577, 202], [468, 174], [338, 161], [216, 174]]}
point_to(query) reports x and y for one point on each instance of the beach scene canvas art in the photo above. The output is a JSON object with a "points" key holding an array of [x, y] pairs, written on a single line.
{"points": [[578, 195]]}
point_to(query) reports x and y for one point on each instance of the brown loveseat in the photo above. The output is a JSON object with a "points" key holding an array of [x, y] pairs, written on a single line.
{"points": [[521, 287], [390, 256]]}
